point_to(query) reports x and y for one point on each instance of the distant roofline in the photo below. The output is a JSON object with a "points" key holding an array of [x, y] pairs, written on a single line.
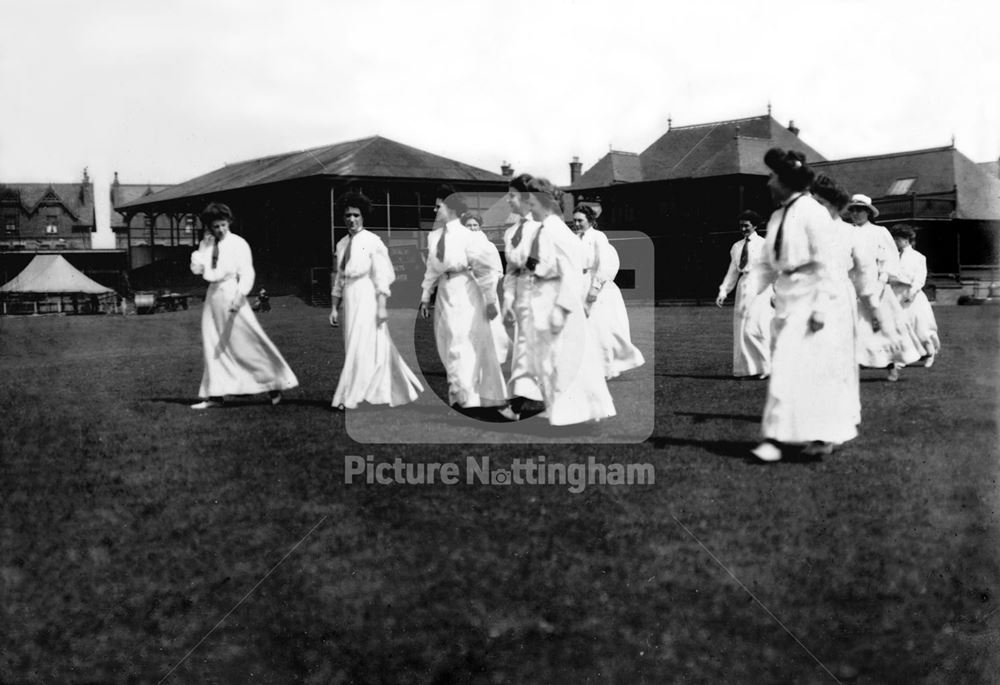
{"points": [[906, 153], [622, 152], [300, 152], [720, 123]]}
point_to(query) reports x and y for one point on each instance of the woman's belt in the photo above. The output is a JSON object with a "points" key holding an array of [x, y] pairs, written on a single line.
{"points": [[527, 272], [456, 272]]}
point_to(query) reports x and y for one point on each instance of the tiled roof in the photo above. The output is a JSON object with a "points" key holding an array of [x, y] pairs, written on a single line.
{"points": [[935, 170], [615, 167], [77, 198], [374, 157], [705, 150]]}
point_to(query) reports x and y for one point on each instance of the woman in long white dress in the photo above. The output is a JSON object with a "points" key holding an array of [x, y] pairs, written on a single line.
{"points": [[501, 339], [895, 344], [524, 391], [908, 285], [460, 268], [607, 318], [239, 357], [812, 392], [374, 372], [857, 267], [752, 311], [549, 311]]}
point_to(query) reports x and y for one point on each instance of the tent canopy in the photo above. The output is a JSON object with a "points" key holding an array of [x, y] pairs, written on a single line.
{"points": [[52, 274]]}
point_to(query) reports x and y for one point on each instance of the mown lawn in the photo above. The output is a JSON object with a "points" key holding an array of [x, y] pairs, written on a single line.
{"points": [[132, 525]]}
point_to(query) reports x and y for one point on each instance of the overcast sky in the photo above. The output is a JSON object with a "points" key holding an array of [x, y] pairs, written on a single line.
{"points": [[165, 91]]}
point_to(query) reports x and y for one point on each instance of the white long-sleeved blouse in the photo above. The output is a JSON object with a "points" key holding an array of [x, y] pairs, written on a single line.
{"points": [[464, 250], [235, 261], [755, 260], [600, 260], [809, 246], [369, 258], [912, 271]]}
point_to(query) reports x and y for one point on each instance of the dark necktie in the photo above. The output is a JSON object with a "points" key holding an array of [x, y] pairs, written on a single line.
{"points": [[346, 257], [532, 260], [779, 236], [516, 239], [745, 254], [215, 253], [440, 245]]}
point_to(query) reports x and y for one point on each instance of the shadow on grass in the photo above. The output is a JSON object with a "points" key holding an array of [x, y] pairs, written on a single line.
{"points": [[701, 417], [733, 449], [698, 376], [251, 401]]}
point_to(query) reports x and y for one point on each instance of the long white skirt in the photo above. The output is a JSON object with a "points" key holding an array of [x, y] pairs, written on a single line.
{"points": [[920, 317], [895, 343], [466, 344], [522, 370], [752, 315], [567, 366], [239, 357], [374, 371], [813, 394], [608, 324]]}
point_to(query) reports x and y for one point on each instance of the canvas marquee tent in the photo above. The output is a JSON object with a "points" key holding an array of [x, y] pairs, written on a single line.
{"points": [[51, 284]]}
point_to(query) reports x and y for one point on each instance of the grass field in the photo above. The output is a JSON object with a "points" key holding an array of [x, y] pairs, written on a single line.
{"points": [[131, 526]]}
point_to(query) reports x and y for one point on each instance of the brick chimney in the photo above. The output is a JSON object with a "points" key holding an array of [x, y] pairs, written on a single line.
{"points": [[575, 169], [506, 169], [114, 190], [84, 186], [793, 129]]}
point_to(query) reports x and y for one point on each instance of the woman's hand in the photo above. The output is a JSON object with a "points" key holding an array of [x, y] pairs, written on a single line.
{"points": [[816, 322], [334, 317], [557, 319], [508, 316], [382, 315], [491, 311], [720, 300], [424, 310], [238, 302]]}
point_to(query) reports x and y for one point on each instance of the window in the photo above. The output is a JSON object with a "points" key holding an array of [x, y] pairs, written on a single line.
{"points": [[901, 186], [10, 223], [51, 224], [189, 224]]}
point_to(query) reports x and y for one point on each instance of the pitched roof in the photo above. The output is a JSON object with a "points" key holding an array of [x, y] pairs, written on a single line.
{"points": [[77, 198], [124, 193], [52, 274], [934, 170], [376, 157], [721, 148], [992, 168], [615, 167]]}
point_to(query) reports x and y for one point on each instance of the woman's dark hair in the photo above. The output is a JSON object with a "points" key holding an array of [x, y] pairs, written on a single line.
{"points": [[751, 216], [451, 199], [466, 216], [790, 167], [521, 182], [904, 231], [831, 191], [216, 211], [357, 200], [548, 194], [588, 212]]}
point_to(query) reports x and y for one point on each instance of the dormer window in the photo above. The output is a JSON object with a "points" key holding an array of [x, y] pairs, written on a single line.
{"points": [[51, 224], [10, 223], [901, 186]]}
